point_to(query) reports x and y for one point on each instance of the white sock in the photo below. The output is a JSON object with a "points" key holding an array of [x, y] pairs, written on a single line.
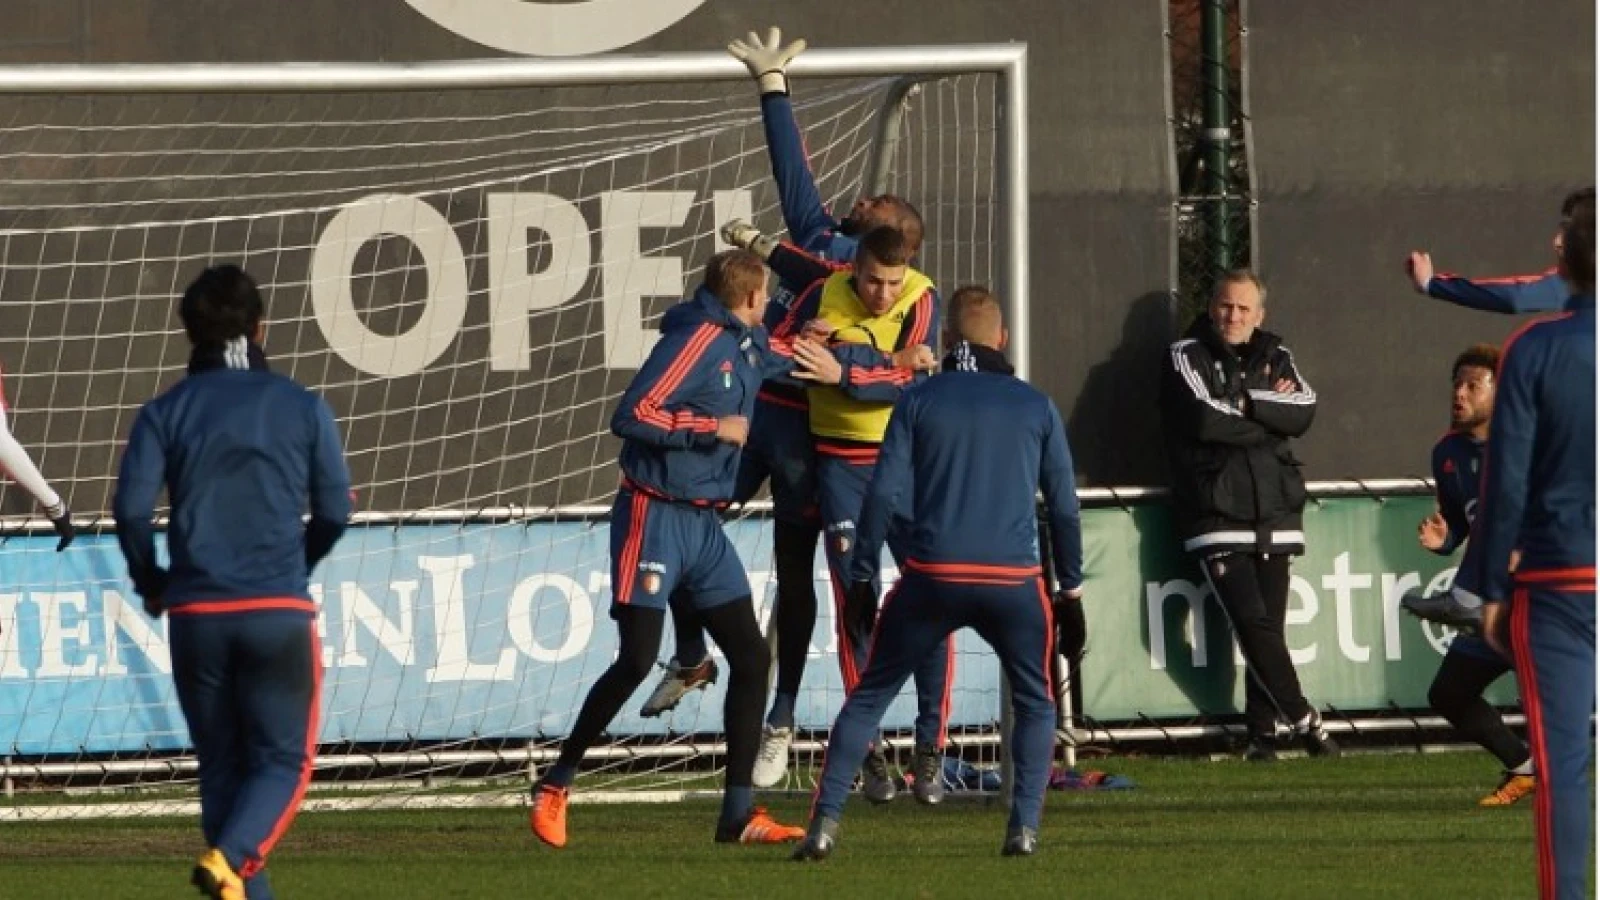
{"points": [[1525, 769]]}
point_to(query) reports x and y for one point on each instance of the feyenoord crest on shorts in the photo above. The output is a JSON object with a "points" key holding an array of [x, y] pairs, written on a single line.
{"points": [[651, 579]]}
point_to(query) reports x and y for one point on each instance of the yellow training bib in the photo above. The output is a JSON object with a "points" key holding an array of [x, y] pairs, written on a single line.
{"points": [[834, 413]]}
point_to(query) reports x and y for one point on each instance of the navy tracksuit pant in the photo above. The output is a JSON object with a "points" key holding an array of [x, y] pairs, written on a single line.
{"points": [[842, 483], [1552, 637], [248, 674], [1010, 609]]}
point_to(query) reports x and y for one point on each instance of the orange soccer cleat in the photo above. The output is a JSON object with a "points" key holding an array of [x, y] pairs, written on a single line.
{"points": [[215, 878], [548, 818], [1512, 789], [761, 828]]}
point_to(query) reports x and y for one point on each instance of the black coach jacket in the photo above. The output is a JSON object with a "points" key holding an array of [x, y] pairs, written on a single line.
{"points": [[1236, 485]]}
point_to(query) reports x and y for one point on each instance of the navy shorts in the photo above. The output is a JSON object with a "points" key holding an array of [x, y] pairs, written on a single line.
{"points": [[659, 547]]}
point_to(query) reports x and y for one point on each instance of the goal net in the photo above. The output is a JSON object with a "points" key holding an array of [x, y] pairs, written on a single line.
{"points": [[469, 275]]}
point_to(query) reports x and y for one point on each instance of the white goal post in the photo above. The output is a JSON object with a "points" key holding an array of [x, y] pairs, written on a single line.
{"points": [[466, 259]]}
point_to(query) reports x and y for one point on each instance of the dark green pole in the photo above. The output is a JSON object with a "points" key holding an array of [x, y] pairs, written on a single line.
{"points": [[1217, 134]]}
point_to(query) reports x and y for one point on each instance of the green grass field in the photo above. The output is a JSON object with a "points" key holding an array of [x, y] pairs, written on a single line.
{"points": [[1366, 826]]}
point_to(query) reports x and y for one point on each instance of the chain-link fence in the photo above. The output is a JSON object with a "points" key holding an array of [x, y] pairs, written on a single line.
{"points": [[1214, 207]]}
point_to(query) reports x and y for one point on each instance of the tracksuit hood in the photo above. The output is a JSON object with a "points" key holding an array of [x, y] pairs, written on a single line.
{"points": [[702, 307]]}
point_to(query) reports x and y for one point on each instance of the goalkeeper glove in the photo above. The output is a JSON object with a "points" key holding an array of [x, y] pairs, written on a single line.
{"points": [[1072, 628], [861, 607], [766, 60], [739, 233], [61, 520]]}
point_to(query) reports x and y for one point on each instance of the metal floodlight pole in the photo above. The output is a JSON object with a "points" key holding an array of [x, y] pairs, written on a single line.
{"points": [[1217, 134]]}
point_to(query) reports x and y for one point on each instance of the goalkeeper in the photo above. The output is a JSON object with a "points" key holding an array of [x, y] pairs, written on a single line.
{"points": [[780, 443]]}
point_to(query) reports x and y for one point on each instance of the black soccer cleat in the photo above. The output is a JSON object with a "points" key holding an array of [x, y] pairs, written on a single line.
{"points": [[819, 840], [927, 785]]}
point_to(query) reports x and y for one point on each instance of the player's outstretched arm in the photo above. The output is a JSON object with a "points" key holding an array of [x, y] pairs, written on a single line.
{"points": [[20, 466], [139, 483], [1543, 292], [796, 266], [804, 214]]}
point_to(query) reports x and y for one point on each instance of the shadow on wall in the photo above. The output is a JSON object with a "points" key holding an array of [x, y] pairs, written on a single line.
{"points": [[1115, 426]]}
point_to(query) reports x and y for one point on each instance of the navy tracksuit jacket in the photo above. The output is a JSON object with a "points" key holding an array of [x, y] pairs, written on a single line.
{"points": [[242, 452], [1457, 474], [1539, 497], [665, 533], [1544, 292], [965, 454]]}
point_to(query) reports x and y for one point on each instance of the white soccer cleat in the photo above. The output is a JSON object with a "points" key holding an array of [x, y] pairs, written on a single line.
{"points": [[772, 760]]}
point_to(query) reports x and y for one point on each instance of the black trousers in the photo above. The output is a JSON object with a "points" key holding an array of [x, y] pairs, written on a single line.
{"points": [[1253, 589], [1457, 693]]}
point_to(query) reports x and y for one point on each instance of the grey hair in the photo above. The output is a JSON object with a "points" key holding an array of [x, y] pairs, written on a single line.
{"points": [[1239, 276]]}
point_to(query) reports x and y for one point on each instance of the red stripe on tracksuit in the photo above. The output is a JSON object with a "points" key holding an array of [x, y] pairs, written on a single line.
{"points": [[631, 546], [848, 673], [1499, 279], [786, 328], [863, 455], [1049, 641], [984, 573], [258, 604], [922, 315], [1528, 681], [779, 400], [648, 409], [1576, 578], [881, 376], [313, 719]]}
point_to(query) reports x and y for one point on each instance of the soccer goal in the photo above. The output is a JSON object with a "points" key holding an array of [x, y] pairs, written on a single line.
{"points": [[467, 260]]}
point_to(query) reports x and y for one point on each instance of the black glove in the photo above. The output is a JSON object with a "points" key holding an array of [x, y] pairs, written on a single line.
{"points": [[861, 607], [61, 520], [1072, 629], [151, 589]]}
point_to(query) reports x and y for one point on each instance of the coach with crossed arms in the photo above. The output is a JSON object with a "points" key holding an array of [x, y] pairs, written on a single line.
{"points": [[1231, 400]]}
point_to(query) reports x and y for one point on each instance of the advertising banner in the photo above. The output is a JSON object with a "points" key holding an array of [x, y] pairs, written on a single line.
{"points": [[447, 632]]}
